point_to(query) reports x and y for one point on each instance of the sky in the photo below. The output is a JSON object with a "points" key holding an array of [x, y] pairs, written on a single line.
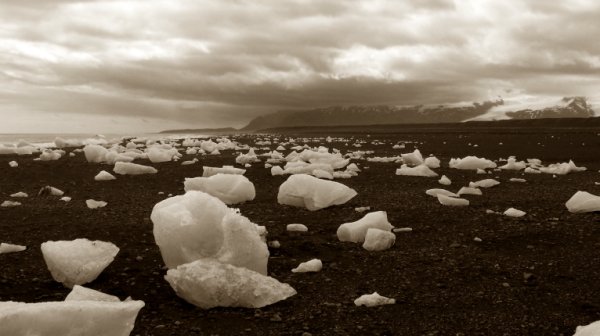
{"points": [[148, 65]]}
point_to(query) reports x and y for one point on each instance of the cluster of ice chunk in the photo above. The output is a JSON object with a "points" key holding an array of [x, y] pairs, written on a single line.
{"points": [[312, 193], [356, 231]]}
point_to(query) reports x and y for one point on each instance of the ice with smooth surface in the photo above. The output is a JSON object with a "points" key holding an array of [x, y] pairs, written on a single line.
{"points": [[104, 176], [487, 183], [80, 293], [372, 300], [512, 212], [421, 170], [307, 191], [208, 283], [313, 265], [93, 204], [592, 329], [128, 168], [19, 194], [452, 201], [197, 225], [296, 227], [437, 191], [229, 188], [77, 261], [9, 204], [471, 163], [583, 201], [469, 191], [210, 171], [95, 153], [10, 248], [378, 240], [68, 318], [356, 231]]}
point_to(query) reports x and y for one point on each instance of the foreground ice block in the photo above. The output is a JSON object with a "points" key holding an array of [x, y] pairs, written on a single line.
{"points": [[356, 231], [128, 168], [583, 201], [68, 318], [592, 329], [372, 300], [378, 240], [307, 191], [208, 283], [77, 261], [197, 225], [80, 293], [229, 188], [313, 265]]}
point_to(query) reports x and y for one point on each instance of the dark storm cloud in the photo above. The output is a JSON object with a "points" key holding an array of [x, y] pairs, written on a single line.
{"points": [[222, 63]]}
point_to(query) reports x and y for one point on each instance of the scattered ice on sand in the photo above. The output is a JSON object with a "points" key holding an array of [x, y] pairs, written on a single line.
{"points": [[9, 248], [93, 204], [512, 164], [77, 261], [378, 240], [314, 265], [296, 227], [197, 225], [19, 194], [437, 191], [229, 188], [562, 168], [79, 293], [512, 212], [444, 180], [452, 201], [104, 176], [487, 183], [13, 164], [208, 283], [69, 318], [65, 199], [469, 191], [471, 163], [9, 204], [592, 329], [307, 191], [128, 168], [356, 231], [210, 171], [372, 300], [583, 201], [514, 179], [421, 170]]}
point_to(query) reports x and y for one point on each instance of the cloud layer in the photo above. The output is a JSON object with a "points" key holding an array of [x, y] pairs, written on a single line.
{"points": [[216, 63]]}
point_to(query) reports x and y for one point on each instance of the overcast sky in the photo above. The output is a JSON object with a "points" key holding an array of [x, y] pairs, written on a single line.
{"points": [[122, 66]]}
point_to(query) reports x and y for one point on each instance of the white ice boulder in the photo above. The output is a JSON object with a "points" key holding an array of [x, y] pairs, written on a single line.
{"points": [[10, 248], [444, 180], [69, 318], [77, 261], [158, 154], [583, 201], [372, 300], [210, 171], [128, 168], [276, 170], [432, 162], [356, 231], [471, 163], [512, 212], [452, 201], [197, 225], [313, 265], [413, 159], [229, 188], [592, 329], [104, 176], [469, 191], [421, 170], [95, 153], [296, 227], [487, 183], [307, 191], [208, 283], [378, 240], [93, 204], [80, 293]]}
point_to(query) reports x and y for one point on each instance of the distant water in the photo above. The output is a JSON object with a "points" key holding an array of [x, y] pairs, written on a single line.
{"points": [[42, 139]]}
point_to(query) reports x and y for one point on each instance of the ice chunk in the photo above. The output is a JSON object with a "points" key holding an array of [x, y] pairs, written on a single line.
{"points": [[487, 183], [95, 153], [413, 159], [296, 227], [157, 154], [9, 204], [77, 261], [307, 191], [79, 293], [13, 164], [582, 201], [436, 191], [592, 329], [514, 179], [104, 176], [48, 190], [362, 209], [197, 225], [469, 191], [432, 162], [512, 212], [69, 318], [378, 240], [562, 168], [208, 283], [421, 170], [230, 189], [323, 174], [65, 199], [276, 170], [128, 168], [356, 231], [9, 248], [512, 164], [19, 194], [444, 180], [93, 204], [210, 171], [372, 300], [452, 201], [314, 265], [471, 163]]}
